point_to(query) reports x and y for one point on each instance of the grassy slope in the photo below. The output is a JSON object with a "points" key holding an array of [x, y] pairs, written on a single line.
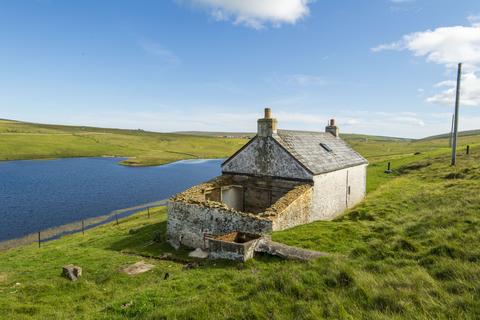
{"points": [[409, 251], [20, 140]]}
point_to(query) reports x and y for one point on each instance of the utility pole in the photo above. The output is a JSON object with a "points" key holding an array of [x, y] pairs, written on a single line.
{"points": [[451, 131], [457, 105]]}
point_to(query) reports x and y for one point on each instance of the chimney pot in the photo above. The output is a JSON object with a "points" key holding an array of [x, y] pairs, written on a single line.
{"points": [[332, 128], [267, 126], [268, 113]]}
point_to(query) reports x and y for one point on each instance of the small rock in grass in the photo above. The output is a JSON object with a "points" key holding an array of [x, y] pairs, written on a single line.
{"points": [[136, 268], [190, 265], [198, 253], [126, 305], [72, 272]]}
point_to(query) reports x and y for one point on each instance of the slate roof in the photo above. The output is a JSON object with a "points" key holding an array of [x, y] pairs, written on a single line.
{"points": [[307, 148]]}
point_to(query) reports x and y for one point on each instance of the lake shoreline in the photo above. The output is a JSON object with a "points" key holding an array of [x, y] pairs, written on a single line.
{"points": [[79, 226], [54, 196]]}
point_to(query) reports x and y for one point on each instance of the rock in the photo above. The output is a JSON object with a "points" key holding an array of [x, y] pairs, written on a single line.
{"points": [[287, 252], [72, 272], [190, 265], [198, 253], [137, 268], [167, 275]]}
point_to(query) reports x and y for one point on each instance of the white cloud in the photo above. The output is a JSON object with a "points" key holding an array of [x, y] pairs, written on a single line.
{"points": [[305, 80], [470, 93], [447, 46], [158, 50], [255, 13]]}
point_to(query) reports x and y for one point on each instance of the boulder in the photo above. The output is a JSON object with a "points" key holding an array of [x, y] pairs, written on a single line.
{"points": [[136, 268], [198, 253], [72, 272], [287, 252]]}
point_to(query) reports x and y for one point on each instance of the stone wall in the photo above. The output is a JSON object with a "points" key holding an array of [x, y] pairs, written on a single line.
{"points": [[263, 156], [187, 223], [331, 196], [298, 210]]}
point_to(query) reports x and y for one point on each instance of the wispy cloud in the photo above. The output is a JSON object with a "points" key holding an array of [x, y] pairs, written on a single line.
{"points": [[305, 80], [447, 46], [254, 13], [156, 49]]}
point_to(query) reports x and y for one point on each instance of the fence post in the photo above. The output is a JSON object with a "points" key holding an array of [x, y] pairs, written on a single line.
{"points": [[148, 212], [39, 239], [83, 227], [116, 218], [468, 149]]}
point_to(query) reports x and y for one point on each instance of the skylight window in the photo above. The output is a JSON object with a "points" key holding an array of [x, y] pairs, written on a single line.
{"points": [[327, 148]]}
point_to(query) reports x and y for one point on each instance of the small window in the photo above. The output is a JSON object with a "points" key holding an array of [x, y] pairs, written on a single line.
{"points": [[324, 146]]}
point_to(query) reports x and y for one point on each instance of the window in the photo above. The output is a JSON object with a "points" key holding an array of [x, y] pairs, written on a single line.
{"points": [[324, 146]]}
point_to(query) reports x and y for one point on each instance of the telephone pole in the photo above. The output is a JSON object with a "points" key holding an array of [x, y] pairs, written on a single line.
{"points": [[455, 125]]}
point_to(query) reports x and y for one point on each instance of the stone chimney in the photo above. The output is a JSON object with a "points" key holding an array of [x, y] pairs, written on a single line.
{"points": [[267, 125], [332, 128]]}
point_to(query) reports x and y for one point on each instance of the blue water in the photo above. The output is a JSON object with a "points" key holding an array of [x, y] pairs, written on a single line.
{"points": [[40, 194]]}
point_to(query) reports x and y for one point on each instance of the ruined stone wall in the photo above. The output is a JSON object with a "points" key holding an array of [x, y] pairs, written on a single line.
{"points": [[331, 196], [297, 209], [261, 193], [265, 157], [188, 222]]}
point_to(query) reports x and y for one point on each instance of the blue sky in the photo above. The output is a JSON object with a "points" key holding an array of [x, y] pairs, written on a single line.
{"points": [[379, 66]]}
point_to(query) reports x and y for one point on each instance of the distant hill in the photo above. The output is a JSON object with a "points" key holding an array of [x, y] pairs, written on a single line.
{"points": [[447, 135], [218, 134]]}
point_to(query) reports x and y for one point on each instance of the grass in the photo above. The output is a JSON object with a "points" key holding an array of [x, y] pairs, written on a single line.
{"points": [[409, 251], [21, 140]]}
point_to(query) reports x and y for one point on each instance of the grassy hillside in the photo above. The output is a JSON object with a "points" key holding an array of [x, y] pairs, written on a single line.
{"points": [[20, 140], [410, 251]]}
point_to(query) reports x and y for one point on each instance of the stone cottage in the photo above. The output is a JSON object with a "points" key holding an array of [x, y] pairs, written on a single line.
{"points": [[278, 180]]}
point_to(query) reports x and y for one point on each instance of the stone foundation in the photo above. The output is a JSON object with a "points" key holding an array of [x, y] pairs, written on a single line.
{"points": [[218, 207]]}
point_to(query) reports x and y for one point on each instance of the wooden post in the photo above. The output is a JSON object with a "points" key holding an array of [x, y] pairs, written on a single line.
{"points": [[39, 239], [83, 227], [116, 218], [468, 149], [389, 164], [457, 107], [148, 212]]}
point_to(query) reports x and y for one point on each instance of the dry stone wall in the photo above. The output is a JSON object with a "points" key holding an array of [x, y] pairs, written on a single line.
{"points": [[187, 223]]}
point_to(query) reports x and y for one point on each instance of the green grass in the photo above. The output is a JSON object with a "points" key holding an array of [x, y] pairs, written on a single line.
{"points": [[409, 251], [20, 140]]}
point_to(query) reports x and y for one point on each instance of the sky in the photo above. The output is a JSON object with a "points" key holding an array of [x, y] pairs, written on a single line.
{"points": [[383, 67]]}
